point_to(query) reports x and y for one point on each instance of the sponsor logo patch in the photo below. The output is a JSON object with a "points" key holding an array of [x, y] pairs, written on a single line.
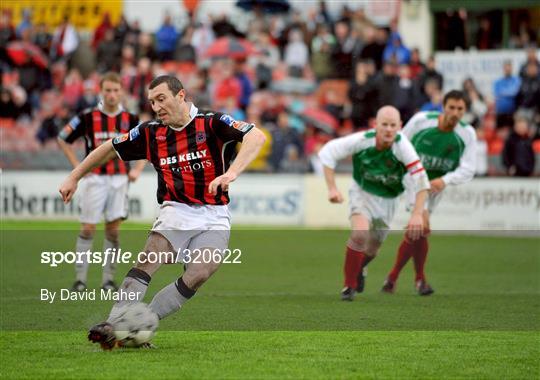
{"points": [[75, 122], [134, 133], [227, 119], [161, 138], [121, 139], [66, 131], [242, 126]]}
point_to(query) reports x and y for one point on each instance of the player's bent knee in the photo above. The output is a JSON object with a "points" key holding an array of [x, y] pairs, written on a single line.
{"points": [[358, 240], [88, 230]]}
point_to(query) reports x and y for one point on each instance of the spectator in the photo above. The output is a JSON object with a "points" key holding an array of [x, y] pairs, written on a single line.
{"points": [[430, 73], [64, 41], [101, 30], [485, 38], [477, 107], [42, 38], [434, 95], [375, 45], [518, 154], [108, 53], [531, 58], [416, 65], [456, 29], [7, 32], [145, 47], [395, 51], [73, 88], [386, 85], [283, 136], [505, 90], [525, 34], [322, 46], [342, 51], [227, 86], [222, 27], [322, 15], [265, 61], [203, 36], [166, 37], [528, 97], [26, 23], [185, 51], [405, 96], [121, 31], [138, 84], [296, 54], [361, 96], [89, 97], [245, 84], [8, 109], [51, 125]]}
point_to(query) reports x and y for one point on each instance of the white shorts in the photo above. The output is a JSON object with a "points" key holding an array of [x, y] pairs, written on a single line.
{"points": [[103, 195], [190, 227], [378, 210]]}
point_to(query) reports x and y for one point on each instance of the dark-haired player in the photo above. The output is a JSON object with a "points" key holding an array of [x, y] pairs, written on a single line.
{"points": [[447, 149], [191, 151]]}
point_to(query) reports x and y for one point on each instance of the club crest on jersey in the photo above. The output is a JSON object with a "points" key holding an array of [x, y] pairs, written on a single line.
{"points": [[227, 119], [121, 139], [200, 137]]}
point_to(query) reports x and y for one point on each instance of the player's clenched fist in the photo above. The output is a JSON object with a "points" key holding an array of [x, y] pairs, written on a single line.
{"points": [[415, 228], [68, 188], [222, 181], [334, 196]]}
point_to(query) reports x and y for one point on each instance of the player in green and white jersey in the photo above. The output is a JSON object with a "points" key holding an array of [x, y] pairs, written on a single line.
{"points": [[381, 158], [447, 148]]}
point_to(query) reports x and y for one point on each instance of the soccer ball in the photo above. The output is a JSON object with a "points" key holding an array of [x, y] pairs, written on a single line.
{"points": [[135, 325]]}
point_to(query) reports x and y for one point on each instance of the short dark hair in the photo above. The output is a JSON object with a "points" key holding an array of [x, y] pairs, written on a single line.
{"points": [[173, 83], [456, 95]]}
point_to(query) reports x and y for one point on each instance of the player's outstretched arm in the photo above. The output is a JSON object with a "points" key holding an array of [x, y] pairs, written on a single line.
{"points": [[251, 145], [415, 227], [97, 157], [334, 195]]}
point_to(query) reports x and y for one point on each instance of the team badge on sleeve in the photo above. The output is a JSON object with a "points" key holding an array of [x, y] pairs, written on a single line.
{"points": [[227, 119], [121, 138], [75, 122], [134, 133]]}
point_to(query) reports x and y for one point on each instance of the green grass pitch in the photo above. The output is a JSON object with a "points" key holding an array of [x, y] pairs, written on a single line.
{"points": [[278, 313]]}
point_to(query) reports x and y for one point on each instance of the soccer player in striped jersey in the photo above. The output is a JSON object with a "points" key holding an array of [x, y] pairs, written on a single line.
{"points": [[191, 151], [381, 158], [447, 149], [104, 190]]}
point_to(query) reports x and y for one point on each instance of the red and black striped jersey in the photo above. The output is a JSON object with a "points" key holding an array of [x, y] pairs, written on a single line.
{"points": [[188, 159], [96, 127]]}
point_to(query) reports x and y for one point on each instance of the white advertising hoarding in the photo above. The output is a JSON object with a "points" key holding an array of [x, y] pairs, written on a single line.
{"points": [[485, 67], [256, 199]]}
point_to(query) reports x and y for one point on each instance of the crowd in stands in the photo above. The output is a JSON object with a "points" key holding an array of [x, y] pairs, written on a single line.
{"points": [[302, 79]]}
